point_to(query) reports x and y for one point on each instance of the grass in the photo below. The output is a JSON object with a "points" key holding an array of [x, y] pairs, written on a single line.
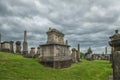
{"points": [[16, 67]]}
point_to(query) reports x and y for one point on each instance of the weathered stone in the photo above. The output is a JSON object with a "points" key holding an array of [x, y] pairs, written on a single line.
{"points": [[88, 55], [38, 51], [25, 44], [18, 47], [32, 52], [11, 47], [0, 41], [74, 55], [6, 47], [78, 53], [55, 53], [115, 44]]}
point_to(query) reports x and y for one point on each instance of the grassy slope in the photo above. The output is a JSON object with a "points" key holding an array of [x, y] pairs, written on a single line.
{"points": [[15, 67]]}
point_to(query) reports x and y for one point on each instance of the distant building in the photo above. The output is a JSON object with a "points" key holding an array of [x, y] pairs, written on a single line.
{"points": [[55, 53]]}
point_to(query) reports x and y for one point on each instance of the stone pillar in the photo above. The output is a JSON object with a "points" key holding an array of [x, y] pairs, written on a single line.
{"points": [[32, 52], [18, 47], [11, 47], [106, 50], [73, 55], [25, 44], [78, 53], [115, 43], [0, 43]]}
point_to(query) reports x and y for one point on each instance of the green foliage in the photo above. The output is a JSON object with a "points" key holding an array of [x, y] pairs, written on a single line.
{"points": [[16, 67], [82, 55]]}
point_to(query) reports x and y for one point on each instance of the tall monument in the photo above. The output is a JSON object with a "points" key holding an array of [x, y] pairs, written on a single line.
{"points": [[0, 41], [25, 44], [78, 54]]}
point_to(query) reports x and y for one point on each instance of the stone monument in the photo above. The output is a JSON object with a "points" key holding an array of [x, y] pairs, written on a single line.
{"points": [[18, 47], [11, 46], [0, 41], [78, 53], [74, 55], [25, 44], [55, 53], [32, 52], [115, 44]]}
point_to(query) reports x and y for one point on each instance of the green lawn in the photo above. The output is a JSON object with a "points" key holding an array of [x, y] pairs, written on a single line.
{"points": [[16, 67]]}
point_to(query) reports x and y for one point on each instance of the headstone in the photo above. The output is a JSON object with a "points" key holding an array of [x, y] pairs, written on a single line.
{"points": [[18, 47]]}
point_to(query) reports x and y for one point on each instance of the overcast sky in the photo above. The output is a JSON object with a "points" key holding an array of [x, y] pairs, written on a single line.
{"points": [[88, 22]]}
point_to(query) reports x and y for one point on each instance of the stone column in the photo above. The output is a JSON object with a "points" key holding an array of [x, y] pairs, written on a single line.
{"points": [[115, 43], [0, 42], [25, 44], [78, 53], [105, 50], [73, 55], [18, 47]]}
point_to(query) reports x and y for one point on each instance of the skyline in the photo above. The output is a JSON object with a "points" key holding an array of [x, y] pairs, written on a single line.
{"points": [[87, 22]]}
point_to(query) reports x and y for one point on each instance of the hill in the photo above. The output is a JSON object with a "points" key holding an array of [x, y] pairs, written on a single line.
{"points": [[16, 67]]}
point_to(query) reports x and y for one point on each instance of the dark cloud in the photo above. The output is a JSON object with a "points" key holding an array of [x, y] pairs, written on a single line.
{"points": [[88, 22]]}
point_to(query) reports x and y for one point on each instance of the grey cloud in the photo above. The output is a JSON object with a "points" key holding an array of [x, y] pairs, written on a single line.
{"points": [[88, 22]]}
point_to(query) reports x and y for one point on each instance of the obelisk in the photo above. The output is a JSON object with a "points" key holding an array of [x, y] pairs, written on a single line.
{"points": [[78, 53], [0, 41], [25, 44]]}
